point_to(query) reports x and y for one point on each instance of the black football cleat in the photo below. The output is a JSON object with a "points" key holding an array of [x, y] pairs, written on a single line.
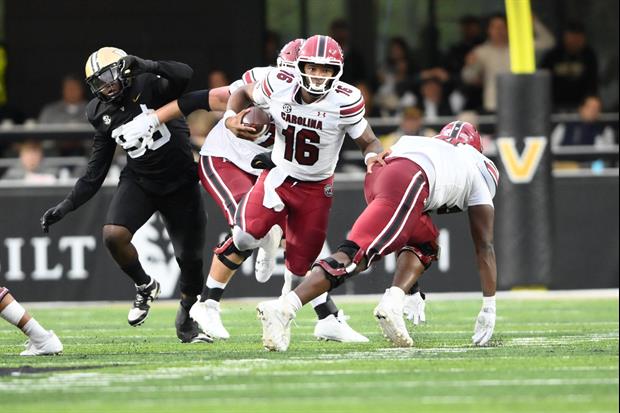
{"points": [[142, 304], [188, 330]]}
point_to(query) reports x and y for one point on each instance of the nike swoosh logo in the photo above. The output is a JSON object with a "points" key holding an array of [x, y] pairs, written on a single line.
{"points": [[137, 97]]}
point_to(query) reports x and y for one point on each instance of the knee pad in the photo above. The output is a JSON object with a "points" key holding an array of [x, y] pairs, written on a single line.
{"points": [[243, 240], [336, 272], [353, 251], [192, 279], [426, 253], [3, 293], [228, 247]]}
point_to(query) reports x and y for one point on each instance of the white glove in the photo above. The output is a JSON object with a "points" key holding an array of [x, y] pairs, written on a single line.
{"points": [[136, 136], [485, 323], [414, 308]]}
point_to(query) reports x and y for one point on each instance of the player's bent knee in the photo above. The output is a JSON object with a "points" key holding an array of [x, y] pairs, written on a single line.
{"points": [[226, 249], [115, 237], [244, 240], [426, 253], [3, 293], [337, 272]]}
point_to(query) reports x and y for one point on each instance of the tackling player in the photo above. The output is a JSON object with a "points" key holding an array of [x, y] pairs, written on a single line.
{"points": [[41, 342], [446, 174], [160, 176], [312, 111]]}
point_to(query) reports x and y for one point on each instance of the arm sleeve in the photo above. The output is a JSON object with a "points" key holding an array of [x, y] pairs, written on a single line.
{"points": [[173, 78], [191, 101], [96, 171]]}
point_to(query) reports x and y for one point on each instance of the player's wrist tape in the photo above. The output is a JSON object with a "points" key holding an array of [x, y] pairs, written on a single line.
{"points": [[229, 114], [154, 120], [488, 302], [368, 156]]}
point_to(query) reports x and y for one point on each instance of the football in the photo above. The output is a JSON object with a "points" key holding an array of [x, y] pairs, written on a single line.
{"points": [[258, 119]]}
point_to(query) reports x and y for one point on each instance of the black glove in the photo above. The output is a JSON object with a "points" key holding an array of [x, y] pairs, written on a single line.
{"points": [[134, 66], [263, 161], [55, 214]]}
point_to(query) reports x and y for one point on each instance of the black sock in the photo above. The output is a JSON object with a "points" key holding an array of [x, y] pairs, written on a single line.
{"points": [[136, 273], [326, 309], [215, 294], [187, 302], [414, 289]]}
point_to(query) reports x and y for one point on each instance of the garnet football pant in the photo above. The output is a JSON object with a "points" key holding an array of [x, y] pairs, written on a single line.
{"points": [[306, 213], [395, 216], [184, 217]]}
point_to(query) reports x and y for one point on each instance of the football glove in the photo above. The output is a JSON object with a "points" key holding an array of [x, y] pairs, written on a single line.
{"points": [[134, 66], [137, 135], [485, 324], [414, 308], [55, 214]]}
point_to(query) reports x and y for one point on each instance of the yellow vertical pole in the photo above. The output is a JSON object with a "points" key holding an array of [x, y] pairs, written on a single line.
{"points": [[521, 36]]}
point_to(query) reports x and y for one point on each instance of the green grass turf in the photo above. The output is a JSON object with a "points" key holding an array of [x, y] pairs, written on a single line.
{"points": [[547, 356]]}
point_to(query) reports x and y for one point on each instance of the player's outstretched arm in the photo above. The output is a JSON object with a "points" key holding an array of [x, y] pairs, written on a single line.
{"points": [[481, 219], [371, 148]]}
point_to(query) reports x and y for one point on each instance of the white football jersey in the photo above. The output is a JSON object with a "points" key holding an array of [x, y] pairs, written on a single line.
{"points": [[309, 136], [459, 176], [222, 143]]}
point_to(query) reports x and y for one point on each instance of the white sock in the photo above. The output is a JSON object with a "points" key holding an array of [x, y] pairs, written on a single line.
{"points": [[293, 300], [396, 292], [35, 332], [13, 313], [321, 299], [213, 283]]}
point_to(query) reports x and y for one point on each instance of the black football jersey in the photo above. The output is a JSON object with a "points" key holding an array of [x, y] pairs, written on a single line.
{"points": [[161, 170]]}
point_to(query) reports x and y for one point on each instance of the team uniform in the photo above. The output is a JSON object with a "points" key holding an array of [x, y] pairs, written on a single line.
{"points": [[422, 175], [161, 179], [225, 170], [308, 138]]}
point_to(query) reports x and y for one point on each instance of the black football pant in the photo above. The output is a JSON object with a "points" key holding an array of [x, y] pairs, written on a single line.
{"points": [[185, 219]]}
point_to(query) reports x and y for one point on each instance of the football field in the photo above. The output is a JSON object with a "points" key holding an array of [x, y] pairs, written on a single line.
{"points": [[550, 354]]}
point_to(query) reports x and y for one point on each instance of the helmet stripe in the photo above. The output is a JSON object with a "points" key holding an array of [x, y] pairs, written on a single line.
{"points": [[456, 130], [93, 67], [321, 47]]}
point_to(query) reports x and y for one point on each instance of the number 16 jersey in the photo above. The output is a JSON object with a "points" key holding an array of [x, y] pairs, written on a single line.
{"points": [[309, 135]]}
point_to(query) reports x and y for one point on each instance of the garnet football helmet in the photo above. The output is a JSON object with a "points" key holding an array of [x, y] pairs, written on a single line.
{"points": [[320, 50], [103, 73], [288, 54], [461, 132]]}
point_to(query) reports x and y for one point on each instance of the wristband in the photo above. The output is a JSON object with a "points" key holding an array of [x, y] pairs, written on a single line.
{"points": [[369, 155], [229, 114]]}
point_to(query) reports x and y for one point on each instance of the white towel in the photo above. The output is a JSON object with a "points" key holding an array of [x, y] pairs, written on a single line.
{"points": [[274, 179]]}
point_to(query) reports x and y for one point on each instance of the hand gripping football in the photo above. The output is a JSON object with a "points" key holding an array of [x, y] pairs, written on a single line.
{"points": [[257, 119]]}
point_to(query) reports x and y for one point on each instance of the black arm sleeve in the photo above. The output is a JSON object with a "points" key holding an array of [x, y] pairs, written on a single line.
{"points": [[176, 77], [96, 171], [191, 101]]}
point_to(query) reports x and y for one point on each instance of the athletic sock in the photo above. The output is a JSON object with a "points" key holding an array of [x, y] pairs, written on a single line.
{"points": [[324, 306], [213, 290], [293, 299], [35, 332], [187, 302], [136, 273]]}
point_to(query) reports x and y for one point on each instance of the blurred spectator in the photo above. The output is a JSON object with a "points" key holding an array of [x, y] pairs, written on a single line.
{"points": [[588, 130], [354, 67], [371, 110], [485, 62], [217, 78], [271, 48], [411, 123], [31, 168], [574, 68], [471, 36], [432, 101], [71, 108], [395, 78]]}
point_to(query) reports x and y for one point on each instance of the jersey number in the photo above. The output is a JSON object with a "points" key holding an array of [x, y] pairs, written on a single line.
{"points": [[301, 145]]}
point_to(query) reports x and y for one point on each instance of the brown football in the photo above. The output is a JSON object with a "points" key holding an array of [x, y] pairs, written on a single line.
{"points": [[258, 119]]}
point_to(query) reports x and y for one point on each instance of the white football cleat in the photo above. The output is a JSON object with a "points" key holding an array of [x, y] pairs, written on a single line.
{"points": [[51, 345], [266, 256], [207, 315], [337, 329], [141, 306], [276, 317], [389, 314]]}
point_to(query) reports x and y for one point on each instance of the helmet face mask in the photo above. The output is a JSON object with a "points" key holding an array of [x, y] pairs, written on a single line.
{"points": [[320, 51], [104, 73]]}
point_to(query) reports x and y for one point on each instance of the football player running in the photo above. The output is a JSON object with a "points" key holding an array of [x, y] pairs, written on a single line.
{"points": [[41, 342], [160, 176], [446, 174], [312, 111]]}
